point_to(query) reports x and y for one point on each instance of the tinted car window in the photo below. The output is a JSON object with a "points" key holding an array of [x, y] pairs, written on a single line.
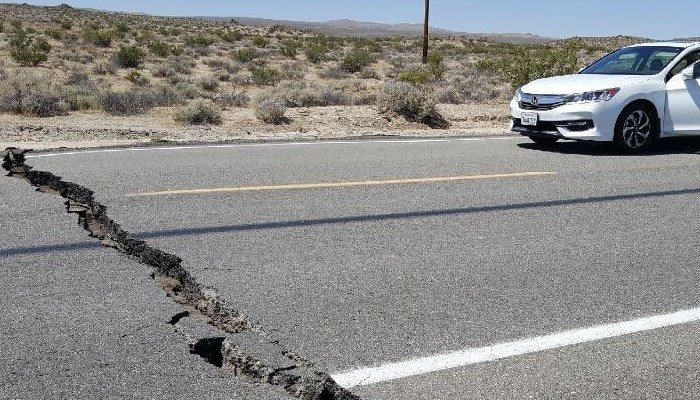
{"points": [[643, 60]]}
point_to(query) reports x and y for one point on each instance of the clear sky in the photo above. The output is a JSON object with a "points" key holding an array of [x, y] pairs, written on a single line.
{"points": [[554, 18]]}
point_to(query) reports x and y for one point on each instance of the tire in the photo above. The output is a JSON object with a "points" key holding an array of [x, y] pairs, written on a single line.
{"points": [[636, 129], [544, 140]]}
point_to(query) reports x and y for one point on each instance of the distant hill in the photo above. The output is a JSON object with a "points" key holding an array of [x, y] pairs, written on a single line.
{"points": [[346, 27]]}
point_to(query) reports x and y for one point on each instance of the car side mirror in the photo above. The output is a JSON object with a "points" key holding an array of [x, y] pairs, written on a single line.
{"points": [[692, 72]]}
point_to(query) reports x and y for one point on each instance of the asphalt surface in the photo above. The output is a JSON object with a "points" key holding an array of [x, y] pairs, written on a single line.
{"points": [[359, 276]]}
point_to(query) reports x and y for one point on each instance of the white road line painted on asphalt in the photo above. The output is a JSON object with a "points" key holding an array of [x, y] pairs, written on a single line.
{"points": [[461, 358], [226, 146]]}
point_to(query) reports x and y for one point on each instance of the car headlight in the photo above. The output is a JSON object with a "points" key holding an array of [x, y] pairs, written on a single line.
{"points": [[518, 96], [600, 95]]}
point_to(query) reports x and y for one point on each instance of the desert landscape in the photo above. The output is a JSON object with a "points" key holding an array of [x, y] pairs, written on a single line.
{"points": [[77, 78]]}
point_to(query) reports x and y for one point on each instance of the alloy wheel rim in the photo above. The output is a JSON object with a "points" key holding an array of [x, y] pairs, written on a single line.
{"points": [[636, 129]]}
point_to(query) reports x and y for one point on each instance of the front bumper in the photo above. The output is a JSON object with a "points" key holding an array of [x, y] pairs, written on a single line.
{"points": [[577, 121]]}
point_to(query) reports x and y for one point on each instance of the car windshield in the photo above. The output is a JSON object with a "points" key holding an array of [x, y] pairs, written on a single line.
{"points": [[642, 60]]}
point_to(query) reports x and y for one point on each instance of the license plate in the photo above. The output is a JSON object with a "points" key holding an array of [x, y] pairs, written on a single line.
{"points": [[529, 119]]}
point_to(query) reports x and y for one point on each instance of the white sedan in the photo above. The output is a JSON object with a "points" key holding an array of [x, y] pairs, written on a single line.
{"points": [[631, 97]]}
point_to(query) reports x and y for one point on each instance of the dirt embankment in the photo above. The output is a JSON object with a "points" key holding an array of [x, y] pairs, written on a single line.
{"points": [[94, 129]]}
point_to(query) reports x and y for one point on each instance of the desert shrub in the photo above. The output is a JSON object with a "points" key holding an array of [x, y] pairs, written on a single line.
{"points": [[122, 28], [209, 83], [159, 48], [521, 67], [163, 71], [66, 24], [129, 56], [54, 33], [78, 77], [271, 111], [436, 64], [177, 50], [164, 96], [289, 50], [80, 91], [301, 94], [419, 76], [233, 68], [413, 102], [369, 73], [32, 94], [316, 53], [230, 36], [265, 75], [187, 89], [126, 103], [200, 112], [181, 64], [232, 99], [292, 70], [261, 41], [106, 67], [136, 78], [135, 102], [246, 55], [470, 86], [333, 73], [28, 50], [99, 38], [356, 60], [145, 37], [222, 76], [199, 40], [216, 63]]}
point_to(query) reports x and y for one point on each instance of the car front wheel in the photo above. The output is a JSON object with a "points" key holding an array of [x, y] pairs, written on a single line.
{"points": [[635, 130]]}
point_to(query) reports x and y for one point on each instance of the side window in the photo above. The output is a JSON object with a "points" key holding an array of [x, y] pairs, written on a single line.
{"points": [[685, 62]]}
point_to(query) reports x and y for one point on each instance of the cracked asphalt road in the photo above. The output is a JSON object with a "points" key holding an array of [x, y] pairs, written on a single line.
{"points": [[358, 276]]}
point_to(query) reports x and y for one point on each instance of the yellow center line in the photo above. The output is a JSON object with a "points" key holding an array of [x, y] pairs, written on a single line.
{"points": [[337, 185]]}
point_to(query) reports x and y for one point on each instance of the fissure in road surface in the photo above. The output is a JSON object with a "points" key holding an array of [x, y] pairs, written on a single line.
{"points": [[246, 349]]}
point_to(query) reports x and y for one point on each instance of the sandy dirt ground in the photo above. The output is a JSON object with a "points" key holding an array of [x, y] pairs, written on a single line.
{"points": [[96, 129]]}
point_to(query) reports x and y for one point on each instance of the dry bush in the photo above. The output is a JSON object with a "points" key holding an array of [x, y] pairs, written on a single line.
{"points": [[81, 92], [334, 73], [265, 75], [292, 70], [127, 102], [302, 94], [209, 83], [106, 67], [414, 103], [136, 78], [32, 93], [138, 101], [271, 111], [187, 89], [470, 86], [200, 112], [246, 55], [181, 64], [232, 99]]}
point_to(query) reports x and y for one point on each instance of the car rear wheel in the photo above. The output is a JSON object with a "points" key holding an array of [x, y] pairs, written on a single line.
{"points": [[636, 129], [544, 140]]}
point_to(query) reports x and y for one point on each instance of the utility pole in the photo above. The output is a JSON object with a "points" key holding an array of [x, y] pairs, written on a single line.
{"points": [[426, 31]]}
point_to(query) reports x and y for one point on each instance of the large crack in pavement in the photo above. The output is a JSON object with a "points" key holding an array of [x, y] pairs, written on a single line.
{"points": [[236, 345]]}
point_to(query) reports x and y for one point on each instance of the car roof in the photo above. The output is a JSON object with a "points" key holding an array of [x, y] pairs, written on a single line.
{"points": [[684, 45]]}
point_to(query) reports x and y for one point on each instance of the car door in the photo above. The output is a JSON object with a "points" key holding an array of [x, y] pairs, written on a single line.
{"points": [[683, 105]]}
